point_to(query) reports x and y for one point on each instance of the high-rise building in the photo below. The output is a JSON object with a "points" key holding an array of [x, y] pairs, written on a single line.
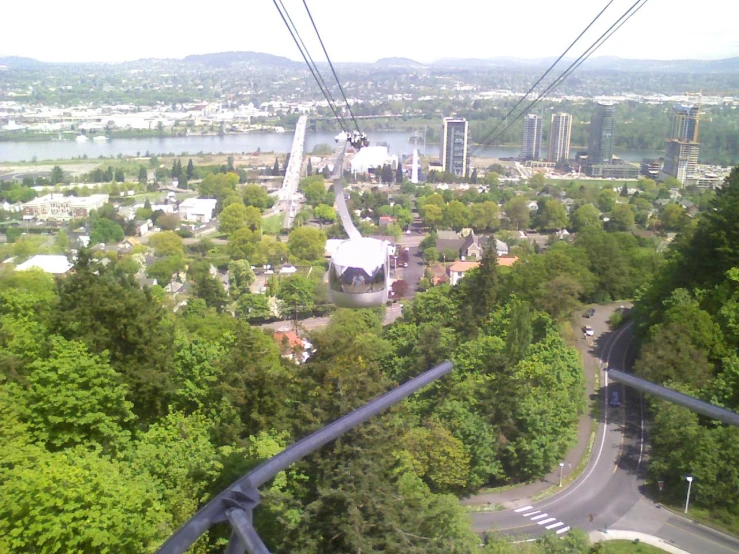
{"points": [[454, 145], [559, 138], [681, 152], [600, 141], [531, 148]]}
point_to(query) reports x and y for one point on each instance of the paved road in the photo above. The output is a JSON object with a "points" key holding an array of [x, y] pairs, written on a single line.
{"points": [[608, 495]]}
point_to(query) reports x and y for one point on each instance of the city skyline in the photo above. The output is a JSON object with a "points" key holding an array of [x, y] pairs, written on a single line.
{"points": [[258, 27]]}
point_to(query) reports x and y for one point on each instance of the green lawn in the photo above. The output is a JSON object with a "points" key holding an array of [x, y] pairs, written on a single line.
{"points": [[273, 224], [628, 547]]}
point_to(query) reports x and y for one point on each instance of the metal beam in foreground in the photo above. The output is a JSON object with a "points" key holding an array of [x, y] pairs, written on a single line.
{"points": [[721, 414], [236, 503]]}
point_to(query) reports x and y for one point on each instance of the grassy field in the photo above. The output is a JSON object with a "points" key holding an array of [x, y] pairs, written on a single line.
{"points": [[628, 547], [271, 225]]}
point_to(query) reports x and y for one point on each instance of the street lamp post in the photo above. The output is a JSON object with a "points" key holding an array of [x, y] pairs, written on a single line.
{"points": [[561, 467], [687, 498]]}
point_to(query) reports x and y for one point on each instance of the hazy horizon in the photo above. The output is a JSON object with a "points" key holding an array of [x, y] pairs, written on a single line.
{"points": [[367, 31]]}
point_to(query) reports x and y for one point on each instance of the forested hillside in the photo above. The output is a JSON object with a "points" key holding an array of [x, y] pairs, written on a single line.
{"points": [[120, 417], [688, 320]]}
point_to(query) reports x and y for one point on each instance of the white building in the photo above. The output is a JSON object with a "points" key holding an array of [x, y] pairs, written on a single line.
{"points": [[58, 206], [371, 157], [198, 209], [56, 265]]}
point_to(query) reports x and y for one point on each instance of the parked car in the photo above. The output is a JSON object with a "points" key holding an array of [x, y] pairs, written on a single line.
{"points": [[615, 400], [588, 330], [589, 313]]}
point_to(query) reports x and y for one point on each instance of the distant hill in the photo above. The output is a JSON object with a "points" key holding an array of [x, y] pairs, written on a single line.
{"points": [[398, 62], [18, 61], [603, 63], [224, 59]]}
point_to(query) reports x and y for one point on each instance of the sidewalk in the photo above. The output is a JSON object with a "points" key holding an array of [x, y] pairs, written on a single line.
{"points": [[613, 535], [520, 495]]}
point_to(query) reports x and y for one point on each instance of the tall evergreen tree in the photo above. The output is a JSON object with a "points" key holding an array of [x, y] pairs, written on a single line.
{"points": [[399, 173], [309, 170], [190, 169], [143, 175], [276, 168]]}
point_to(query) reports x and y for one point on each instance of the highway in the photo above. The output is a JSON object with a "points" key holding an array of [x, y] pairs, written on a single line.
{"points": [[608, 494]]}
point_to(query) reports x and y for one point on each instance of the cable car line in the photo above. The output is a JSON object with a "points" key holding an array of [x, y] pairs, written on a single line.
{"points": [[306, 56], [551, 67], [331, 65], [574, 65]]}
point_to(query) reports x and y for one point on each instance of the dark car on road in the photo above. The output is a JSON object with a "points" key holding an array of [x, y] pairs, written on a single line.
{"points": [[615, 401], [589, 313]]}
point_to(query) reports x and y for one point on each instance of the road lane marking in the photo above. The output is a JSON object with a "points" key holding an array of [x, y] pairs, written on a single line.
{"points": [[547, 520], [532, 513], [523, 509], [554, 525], [538, 517], [563, 530]]}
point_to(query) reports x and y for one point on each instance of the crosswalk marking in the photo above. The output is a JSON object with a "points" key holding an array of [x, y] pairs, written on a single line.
{"points": [[554, 525], [532, 513], [563, 530], [523, 509], [539, 517], [547, 520]]}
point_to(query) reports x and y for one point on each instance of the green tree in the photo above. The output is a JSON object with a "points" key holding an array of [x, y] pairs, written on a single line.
{"points": [[168, 222], [298, 293], [307, 244], [673, 217], [607, 200], [190, 171], [105, 231], [164, 269], [241, 277], [622, 218], [167, 243], [61, 242], [438, 456], [211, 290], [242, 245], [232, 218], [109, 312], [520, 333], [456, 215], [314, 189], [120, 177], [324, 213], [116, 509], [252, 306], [143, 175], [585, 216], [485, 216], [256, 196], [74, 397], [553, 215], [432, 215], [57, 175], [537, 180], [517, 210]]}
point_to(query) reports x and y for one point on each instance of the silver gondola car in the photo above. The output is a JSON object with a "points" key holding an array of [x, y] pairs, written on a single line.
{"points": [[359, 273]]}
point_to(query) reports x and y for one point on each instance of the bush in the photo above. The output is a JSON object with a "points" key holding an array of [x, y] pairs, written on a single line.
{"points": [[616, 319]]}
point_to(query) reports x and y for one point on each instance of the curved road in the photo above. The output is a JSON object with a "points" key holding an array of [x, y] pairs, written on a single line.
{"points": [[608, 493]]}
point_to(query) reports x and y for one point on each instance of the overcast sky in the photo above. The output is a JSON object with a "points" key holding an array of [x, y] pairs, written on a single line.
{"points": [[363, 31]]}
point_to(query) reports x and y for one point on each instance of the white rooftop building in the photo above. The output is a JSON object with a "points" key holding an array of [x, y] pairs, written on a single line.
{"points": [[56, 265], [198, 209], [371, 157]]}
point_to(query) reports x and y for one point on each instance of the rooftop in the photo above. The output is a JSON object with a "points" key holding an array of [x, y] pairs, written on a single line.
{"points": [[56, 265]]}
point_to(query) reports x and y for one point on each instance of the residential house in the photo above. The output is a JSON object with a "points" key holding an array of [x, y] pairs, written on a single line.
{"points": [[198, 209], [293, 347], [58, 207], [56, 265], [458, 269]]}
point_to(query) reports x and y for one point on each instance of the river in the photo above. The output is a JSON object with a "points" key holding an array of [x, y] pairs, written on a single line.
{"points": [[280, 143]]}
